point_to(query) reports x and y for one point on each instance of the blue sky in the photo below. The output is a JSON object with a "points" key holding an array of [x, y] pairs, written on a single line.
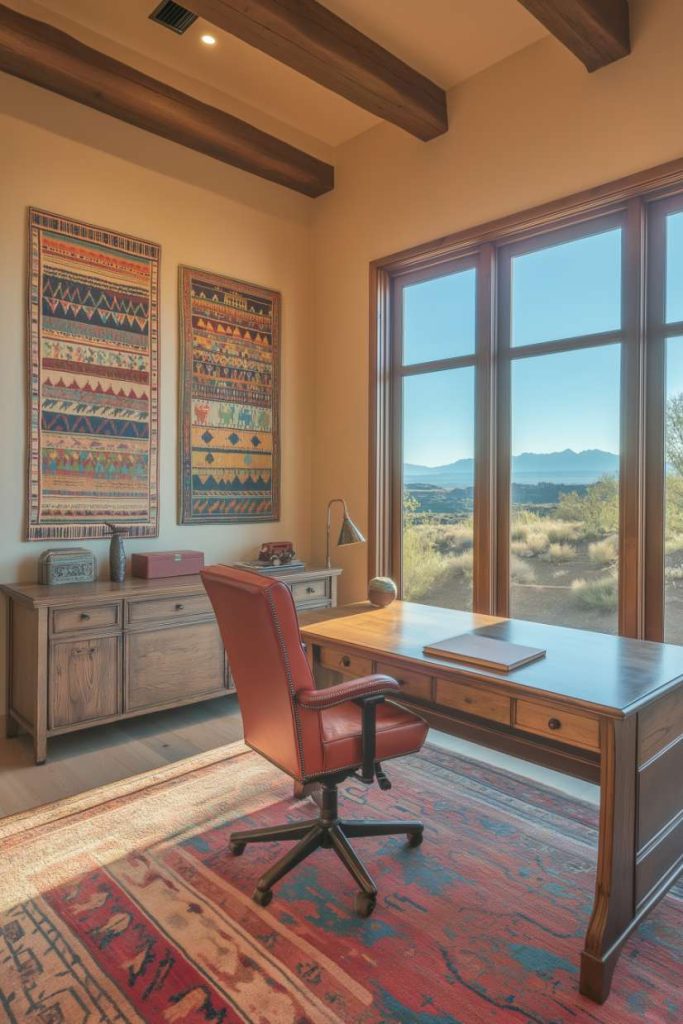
{"points": [[569, 400]]}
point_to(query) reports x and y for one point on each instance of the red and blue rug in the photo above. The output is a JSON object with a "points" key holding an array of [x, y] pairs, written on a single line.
{"points": [[126, 906]]}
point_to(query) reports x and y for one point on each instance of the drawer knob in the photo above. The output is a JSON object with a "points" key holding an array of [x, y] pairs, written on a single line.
{"points": [[310, 590], [179, 607], [554, 723], [346, 661], [85, 616]]}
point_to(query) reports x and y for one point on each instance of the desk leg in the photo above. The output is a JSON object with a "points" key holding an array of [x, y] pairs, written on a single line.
{"points": [[614, 905]]}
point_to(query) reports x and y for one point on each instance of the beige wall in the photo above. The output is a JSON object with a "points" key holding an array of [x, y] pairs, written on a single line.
{"points": [[533, 128], [234, 224]]}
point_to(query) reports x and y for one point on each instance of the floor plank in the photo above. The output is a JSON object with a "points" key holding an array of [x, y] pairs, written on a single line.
{"points": [[108, 753]]}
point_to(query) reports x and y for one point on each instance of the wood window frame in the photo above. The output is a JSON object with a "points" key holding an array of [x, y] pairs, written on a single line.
{"points": [[641, 527]]}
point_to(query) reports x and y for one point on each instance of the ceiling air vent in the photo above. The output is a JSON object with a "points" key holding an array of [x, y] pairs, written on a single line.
{"points": [[173, 16]]}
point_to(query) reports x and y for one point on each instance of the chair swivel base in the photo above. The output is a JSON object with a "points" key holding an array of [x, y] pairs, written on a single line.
{"points": [[329, 832]]}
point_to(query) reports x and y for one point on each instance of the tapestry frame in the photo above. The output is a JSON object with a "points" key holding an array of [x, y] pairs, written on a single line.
{"points": [[186, 516], [122, 242]]}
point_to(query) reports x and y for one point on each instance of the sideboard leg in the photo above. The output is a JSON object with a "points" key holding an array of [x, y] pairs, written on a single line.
{"points": [[40, 748], [614, 904]]}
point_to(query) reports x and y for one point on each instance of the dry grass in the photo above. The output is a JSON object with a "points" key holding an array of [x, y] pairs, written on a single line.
{"points": [[560, 553], [521, 572], [600, 594], [604, 552]]}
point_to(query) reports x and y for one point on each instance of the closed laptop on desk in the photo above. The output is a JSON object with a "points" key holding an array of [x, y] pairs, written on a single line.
{"points": [[484, 651]]}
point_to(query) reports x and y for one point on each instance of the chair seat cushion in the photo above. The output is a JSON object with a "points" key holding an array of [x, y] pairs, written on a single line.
{"points": [[398, 732]]}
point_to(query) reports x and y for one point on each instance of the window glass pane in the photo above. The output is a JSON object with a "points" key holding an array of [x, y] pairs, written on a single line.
{"points": [[567, 290], [565, 503], [438, 481], [673, 538], [674, 268], [439, 318]]}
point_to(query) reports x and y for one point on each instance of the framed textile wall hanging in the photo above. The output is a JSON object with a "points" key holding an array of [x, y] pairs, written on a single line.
{"points": [[229, 400], [93, 326]]}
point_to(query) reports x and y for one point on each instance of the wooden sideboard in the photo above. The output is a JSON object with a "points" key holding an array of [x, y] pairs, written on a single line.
{"points": [[88, 653]]}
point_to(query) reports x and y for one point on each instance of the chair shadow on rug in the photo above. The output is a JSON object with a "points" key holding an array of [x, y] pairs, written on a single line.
{"points": [[324, 736]]}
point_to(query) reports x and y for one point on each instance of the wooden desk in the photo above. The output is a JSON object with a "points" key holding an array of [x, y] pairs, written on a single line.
{"points": [[599, 707]]}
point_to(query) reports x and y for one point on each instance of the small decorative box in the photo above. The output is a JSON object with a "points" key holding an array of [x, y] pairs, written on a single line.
{"points": [[67, 565], [153, 565]]}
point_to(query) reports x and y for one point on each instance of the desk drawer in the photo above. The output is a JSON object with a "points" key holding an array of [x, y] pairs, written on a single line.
{"points": [[94, 616], [308, 591], [161, 609], [353, 665], [413, 684], [473, 700], [566, 727]]}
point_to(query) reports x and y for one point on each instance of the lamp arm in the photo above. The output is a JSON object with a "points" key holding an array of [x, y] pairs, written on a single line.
{"points": [[331, 502]]}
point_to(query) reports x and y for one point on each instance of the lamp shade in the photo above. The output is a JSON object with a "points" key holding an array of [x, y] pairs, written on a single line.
{"points": [[349, 533]]}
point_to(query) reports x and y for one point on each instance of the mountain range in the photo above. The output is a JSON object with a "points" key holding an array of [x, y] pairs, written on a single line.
{"points": [[566, 466]]}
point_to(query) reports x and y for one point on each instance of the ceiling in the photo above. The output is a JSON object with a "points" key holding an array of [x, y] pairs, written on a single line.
{"points": [[446, 40]]}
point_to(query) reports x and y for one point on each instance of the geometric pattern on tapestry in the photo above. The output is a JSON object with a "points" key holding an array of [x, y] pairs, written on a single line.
{"points": [[229, 397], [93, 327]]}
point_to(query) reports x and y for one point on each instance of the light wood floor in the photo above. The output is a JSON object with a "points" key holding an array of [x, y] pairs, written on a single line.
{"points": [[94, 757], [108, 753]]}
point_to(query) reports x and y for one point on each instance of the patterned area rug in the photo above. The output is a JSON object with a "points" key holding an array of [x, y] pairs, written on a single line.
{"points": [[125, 905]]}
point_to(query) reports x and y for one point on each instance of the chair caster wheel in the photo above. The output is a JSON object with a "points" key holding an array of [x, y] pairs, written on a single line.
{"points": [[236, 848], [262, 897], [364, 904], [415, 838]]}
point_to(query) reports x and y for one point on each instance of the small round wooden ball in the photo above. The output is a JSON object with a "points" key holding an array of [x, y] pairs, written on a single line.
{"points": [[382, 591]]}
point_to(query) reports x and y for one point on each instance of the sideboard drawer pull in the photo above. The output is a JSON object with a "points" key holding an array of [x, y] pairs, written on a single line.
{"points": [[85, 616], [554, 723], [179, 607], [346, 661]]}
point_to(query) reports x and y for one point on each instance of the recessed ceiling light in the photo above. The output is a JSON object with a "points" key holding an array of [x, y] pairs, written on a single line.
{"points": [[208, 40]]}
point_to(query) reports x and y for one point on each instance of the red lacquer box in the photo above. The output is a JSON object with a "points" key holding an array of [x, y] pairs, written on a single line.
{"points": [[154, 565]]}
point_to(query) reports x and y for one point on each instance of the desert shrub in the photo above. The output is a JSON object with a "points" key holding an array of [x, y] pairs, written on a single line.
{"points": [[673, 573], [560, 532], [536, 542], [456, 538], [674, 543], [518, 533], [597, 510], [604, 552], [423, 566], [519, 548], [674, 503], [600, 594], [560, 553], [521, 572]]}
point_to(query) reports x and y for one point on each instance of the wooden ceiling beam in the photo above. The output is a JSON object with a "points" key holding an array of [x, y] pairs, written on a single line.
{"points": [[48, 57], [596, 31], [311, 39]]}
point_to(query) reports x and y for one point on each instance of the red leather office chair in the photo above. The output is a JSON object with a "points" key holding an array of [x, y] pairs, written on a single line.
{"points": [[313, 735]]}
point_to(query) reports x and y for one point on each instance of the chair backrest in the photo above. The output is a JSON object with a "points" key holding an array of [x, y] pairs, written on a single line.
{"points": [[258, 623]]}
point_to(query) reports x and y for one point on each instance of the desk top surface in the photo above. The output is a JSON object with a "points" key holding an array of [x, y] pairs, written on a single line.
{"points": [[607, 674]]}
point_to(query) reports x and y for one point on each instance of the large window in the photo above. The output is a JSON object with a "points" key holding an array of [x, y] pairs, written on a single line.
{"points": [[437, 384], [528, 429]]}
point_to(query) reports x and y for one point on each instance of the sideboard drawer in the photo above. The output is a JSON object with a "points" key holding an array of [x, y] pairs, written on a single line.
{"points": [[310, 590], [413, 684], [564, 726], [95, 616], [161, 609], [348, 664], [473, 700]]}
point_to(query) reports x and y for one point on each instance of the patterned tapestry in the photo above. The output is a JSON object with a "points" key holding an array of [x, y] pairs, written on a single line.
{"points": [[93, 377], [230, 339]]}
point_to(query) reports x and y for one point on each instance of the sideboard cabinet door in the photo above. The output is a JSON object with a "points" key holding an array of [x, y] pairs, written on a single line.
{"points": [[173, 666], [84, 680]]}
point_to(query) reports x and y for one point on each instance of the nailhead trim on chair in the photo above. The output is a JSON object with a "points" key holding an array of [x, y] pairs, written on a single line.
{"points": [[331, 702], [290, 681]]}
